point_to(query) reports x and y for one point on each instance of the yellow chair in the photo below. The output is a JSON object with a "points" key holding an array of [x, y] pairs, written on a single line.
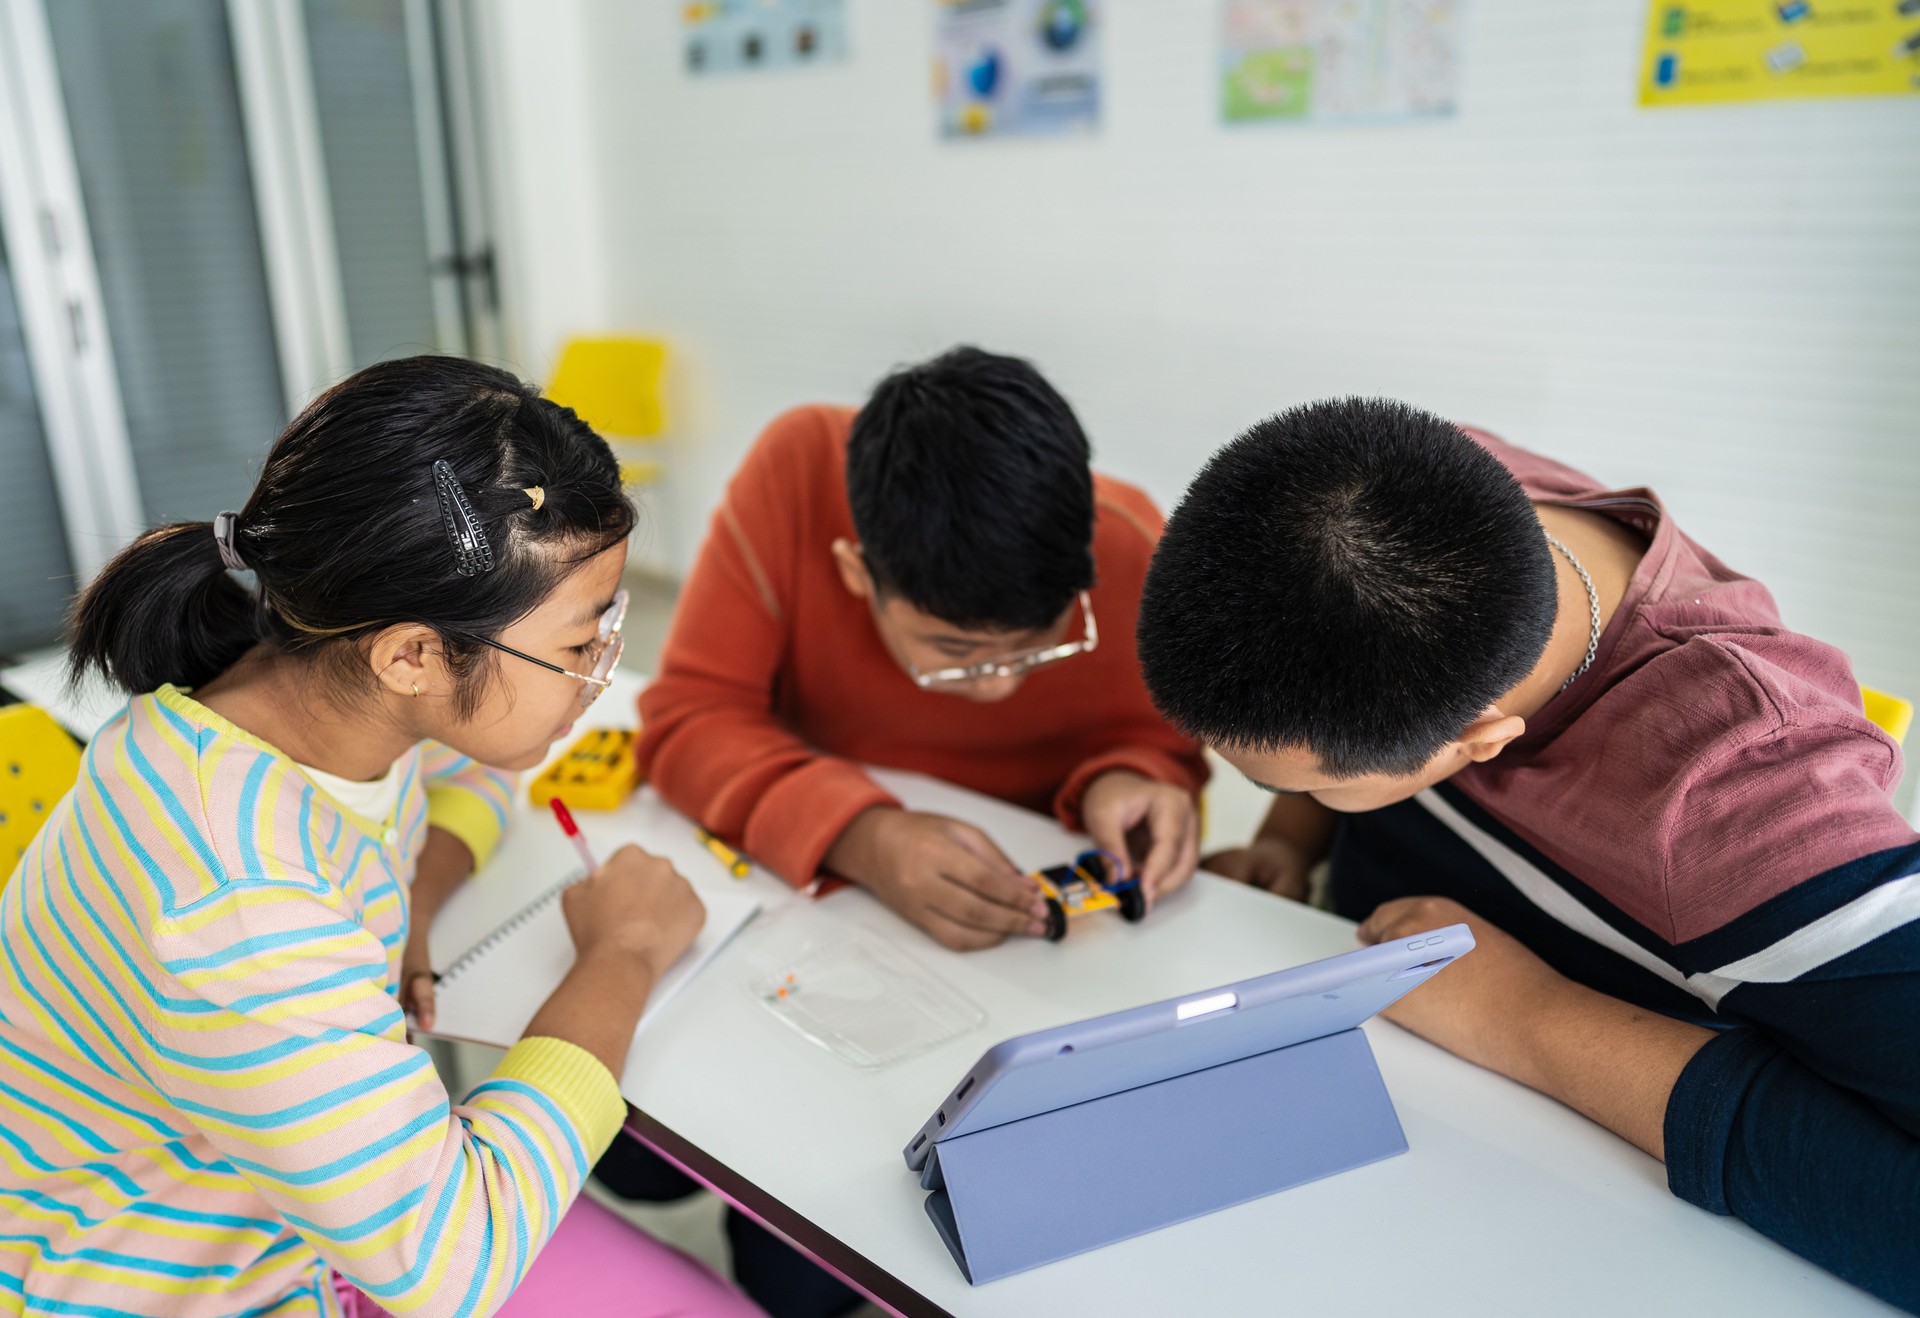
{"points": [[38, 765], [614, 384], [1890, 714]]}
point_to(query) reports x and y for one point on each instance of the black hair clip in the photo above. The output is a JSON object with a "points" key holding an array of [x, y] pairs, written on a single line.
{"points": [[472, 555]]}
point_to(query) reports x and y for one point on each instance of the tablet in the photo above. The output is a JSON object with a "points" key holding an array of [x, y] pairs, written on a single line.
{"points": [[1051, 1069]]}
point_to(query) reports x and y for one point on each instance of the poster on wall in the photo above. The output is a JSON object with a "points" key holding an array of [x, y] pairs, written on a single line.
{"points": [[747, 36], [1017, 68], [1338, 61], [1716, 51]]}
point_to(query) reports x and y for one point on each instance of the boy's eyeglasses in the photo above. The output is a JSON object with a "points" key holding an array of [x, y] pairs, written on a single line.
{"points": [[1014, 665], [604, 651]]}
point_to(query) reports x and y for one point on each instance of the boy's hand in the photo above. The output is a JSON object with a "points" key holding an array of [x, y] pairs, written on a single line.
{"points": [[945, 876], [1153, 825], [1296, 836], [1479, 1007], [1503, 1008], [1272, 863]]}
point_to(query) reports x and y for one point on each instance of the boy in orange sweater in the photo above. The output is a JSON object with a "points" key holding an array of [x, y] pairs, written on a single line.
{"points": [[938, 583]]}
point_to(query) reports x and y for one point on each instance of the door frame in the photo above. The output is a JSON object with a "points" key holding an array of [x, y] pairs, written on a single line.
{"points": [[309, 306], [62, 315]]}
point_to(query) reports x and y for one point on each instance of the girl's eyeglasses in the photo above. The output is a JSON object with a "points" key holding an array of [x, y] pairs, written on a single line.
{"points": [[1014, 664], [604, 652]]}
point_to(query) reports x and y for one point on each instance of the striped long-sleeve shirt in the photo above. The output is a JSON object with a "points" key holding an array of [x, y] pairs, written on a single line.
{"points": [[207, 1096]]}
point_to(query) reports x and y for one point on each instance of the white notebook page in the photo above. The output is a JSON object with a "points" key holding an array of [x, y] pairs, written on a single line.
{"points": [[491, 993]]}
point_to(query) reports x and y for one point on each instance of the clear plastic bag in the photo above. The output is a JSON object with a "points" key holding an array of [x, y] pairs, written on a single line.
{"points": [[863, 999]]}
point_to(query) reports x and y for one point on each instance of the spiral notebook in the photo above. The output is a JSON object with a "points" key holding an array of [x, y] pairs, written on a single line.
{"points": [[491, 992]]}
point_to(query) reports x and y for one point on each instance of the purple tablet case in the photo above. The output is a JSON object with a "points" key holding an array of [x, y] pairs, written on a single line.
{"points": [[1243, 1122], [1016, 1196]]}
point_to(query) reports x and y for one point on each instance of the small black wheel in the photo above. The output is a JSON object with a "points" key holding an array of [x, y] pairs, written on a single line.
{"points": [[1056, 921], [1133, 904]]}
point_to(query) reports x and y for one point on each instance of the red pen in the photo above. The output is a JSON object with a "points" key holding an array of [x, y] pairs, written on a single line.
{"points": [[572, 830]]}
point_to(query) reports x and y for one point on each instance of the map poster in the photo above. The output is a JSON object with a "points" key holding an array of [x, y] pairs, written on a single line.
{"points": [[747, 36], [1338, 61], [1014, 68], [1709, 52]]}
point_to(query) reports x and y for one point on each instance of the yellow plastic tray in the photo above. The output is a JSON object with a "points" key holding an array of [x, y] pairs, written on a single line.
{"points": [[598, 772]]}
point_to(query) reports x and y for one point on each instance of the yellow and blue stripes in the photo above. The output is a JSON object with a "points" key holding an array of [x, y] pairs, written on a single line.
{"points": [[207, 1097]]}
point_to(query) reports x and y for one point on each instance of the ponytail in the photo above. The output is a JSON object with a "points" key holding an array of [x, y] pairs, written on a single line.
{"points": [[164, 610]]}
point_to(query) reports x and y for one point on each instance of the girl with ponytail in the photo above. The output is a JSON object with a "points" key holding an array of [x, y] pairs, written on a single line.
{"points": [[212, 1105]]}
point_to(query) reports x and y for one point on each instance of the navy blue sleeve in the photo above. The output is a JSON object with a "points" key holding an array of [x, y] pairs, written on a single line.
{"points": [[1804, 1119]]}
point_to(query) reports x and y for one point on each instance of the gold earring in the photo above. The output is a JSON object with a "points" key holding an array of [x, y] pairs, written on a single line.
{"points": [[416, 689]]}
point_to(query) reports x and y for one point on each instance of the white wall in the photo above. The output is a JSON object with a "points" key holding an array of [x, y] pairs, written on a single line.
{"points": [[1723, 303], [550, 218]]}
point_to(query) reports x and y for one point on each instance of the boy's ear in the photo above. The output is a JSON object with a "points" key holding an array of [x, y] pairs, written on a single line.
{"points": [[1490, 734], [853, 568]]}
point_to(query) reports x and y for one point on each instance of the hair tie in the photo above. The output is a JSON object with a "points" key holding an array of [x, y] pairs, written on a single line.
{"points": [[472, 555], [536, 493], [224, 526]]}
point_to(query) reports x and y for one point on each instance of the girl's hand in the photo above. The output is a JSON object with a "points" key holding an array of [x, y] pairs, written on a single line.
{"points": [[416, 979], [443, 866], [630, 920], [635, 905]]}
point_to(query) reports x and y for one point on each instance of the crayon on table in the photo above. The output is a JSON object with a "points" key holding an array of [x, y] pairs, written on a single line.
{"points": [[737, 865]]}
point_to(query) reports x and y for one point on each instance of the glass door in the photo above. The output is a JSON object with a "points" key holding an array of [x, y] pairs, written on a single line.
{"points": [[149, 92], [213, 209], [378, 103], [39, 575]]}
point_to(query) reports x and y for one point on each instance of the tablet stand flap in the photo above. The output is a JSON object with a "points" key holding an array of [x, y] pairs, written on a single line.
{"points": [[1063, 1182]]}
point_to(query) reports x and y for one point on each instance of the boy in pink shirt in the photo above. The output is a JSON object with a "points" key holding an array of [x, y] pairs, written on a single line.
{"points": [[1494, 690]]}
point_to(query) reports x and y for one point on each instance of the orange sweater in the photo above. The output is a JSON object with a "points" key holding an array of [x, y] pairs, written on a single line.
{"points": [[775, 686]]}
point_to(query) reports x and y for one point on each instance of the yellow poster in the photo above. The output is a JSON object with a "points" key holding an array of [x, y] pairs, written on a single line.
{"points": [[1705, 52]]}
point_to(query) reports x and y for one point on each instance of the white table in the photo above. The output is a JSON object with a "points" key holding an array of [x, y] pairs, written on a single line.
{"points": [[1506, 1202]]}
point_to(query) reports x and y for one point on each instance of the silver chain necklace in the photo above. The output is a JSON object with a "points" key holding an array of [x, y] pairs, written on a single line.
{"points": [[1593, 612]]}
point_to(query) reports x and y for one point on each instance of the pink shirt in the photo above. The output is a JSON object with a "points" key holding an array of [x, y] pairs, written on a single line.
{"points": [[1711, 758]]}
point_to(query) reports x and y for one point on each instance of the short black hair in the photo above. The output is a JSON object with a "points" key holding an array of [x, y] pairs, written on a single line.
{"points": [[1355, 577], [971, 493]]}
